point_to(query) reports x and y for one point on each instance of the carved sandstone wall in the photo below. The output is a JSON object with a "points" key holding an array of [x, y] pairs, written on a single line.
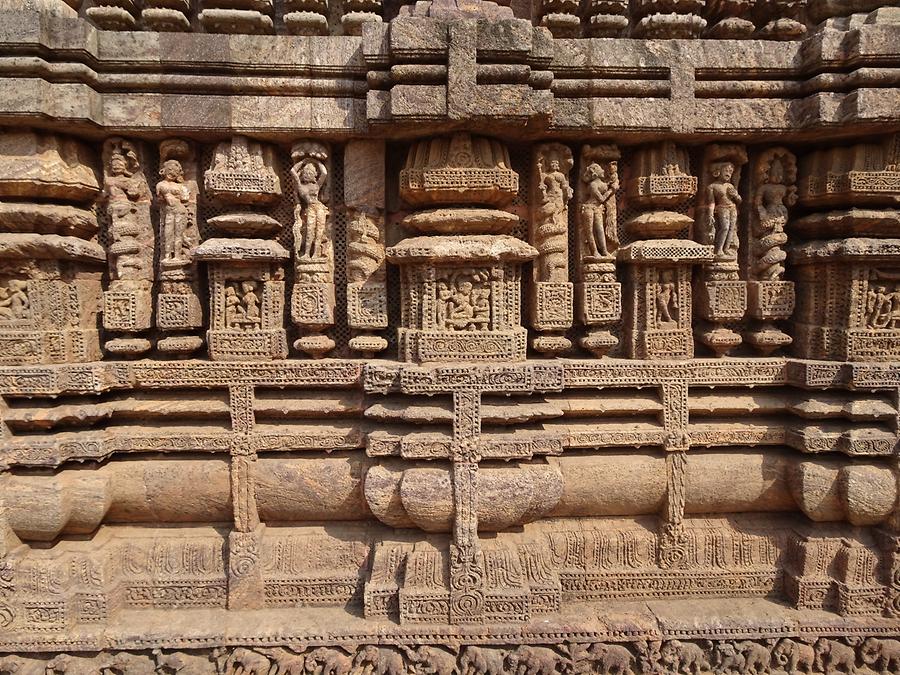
{"points": [[529, 338]]}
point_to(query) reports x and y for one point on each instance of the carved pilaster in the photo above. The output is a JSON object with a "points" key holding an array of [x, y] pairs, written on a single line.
{"points": [[128, 300], [720, 294], [312, 298], [365, 271], [50, 264], [769, 297], [466, 558], [551, 295], [178, 302], [245, 584], [672, 542], [598, 293]]}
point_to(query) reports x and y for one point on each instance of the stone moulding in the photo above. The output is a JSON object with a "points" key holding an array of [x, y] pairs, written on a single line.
{"points": [[442, 337]]}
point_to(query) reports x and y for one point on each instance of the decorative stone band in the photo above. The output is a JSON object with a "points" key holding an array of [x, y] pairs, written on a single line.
{"points": [[676, 251], [498, 652]]}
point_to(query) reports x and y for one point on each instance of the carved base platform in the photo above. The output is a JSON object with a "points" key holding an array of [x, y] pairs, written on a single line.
{"points": [[607, 637], [423, 345], [48, 346], [247, 345]]}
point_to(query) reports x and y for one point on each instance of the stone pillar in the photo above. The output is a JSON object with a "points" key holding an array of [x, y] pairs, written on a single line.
{"points": [[551, 296], [720, 293], [460, 291], [769, 297], [128, 300], [365, 271], [178, 309], [849, 271], [598, 292], [50, 270], [312, 298]]}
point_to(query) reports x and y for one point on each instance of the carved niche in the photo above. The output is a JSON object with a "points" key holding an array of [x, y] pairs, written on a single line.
{"points": [[460, 294]]}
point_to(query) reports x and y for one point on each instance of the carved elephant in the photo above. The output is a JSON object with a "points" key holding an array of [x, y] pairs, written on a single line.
{"points": [[66, 664], [684, 657], [729, 659], [179, 662], [527, 660], [794, 657], [433, 661], [331, 662], [244, 661], [124, 663], [482, 661], [881, 655], [757, 657], [834, 657], [610, 659], [10, 665], [286, 663], [383, 661]]}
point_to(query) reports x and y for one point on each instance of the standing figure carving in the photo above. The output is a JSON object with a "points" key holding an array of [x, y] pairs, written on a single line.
{"points": [[178, 308], [177, 222], [551, 291], [127, 197], [310, 175], [128, 301], [598, 211], [723, 200], [312, 298], [775, 193], [552, 226], [667, 300]]}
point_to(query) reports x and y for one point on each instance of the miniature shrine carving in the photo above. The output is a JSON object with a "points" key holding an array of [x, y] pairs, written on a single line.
{"points": [[476, 338]]}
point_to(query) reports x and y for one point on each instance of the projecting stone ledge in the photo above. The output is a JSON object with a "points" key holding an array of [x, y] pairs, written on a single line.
{"points": [[466, 250]]}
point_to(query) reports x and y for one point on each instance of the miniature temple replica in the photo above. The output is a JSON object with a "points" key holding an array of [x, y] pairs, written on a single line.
{"points": [[440, 337]]}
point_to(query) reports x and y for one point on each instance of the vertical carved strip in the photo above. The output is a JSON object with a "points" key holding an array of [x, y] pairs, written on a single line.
{"points": [[672, 540], [126, 195], [599, 293], [178, 302], [769, 296], [312, 300], [8, 539], [366, 286], [466, 560], [721, 295], [551, 291], [245, 585], [675, 414]]}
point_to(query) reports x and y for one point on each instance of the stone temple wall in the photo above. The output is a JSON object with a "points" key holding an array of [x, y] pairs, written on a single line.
{"points": [[456, 336]]}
